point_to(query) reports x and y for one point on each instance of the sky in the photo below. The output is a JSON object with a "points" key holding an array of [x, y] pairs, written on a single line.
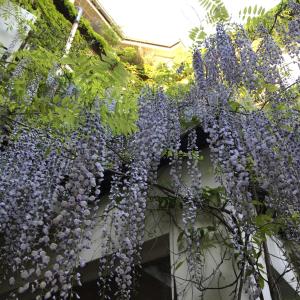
{"points": [[167, 21]]}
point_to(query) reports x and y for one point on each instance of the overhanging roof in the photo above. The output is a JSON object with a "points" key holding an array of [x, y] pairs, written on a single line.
{"points": [[105, 17]]}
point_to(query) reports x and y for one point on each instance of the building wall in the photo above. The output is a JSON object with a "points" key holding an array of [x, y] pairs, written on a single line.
{"points": [[10, 37], [219, 266], [156, 54], [91, 12], [161, 224], [151, 53]]}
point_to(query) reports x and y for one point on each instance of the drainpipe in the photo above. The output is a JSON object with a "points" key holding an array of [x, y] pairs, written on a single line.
{"points": [[52, 81], [73, 31]]}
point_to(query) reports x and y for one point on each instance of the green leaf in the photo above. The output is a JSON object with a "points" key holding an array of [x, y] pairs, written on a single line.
{"points": [[263, 219], [255, 9], [178, 265], [271, 87], [281, 107], [261, 282], [257, 202], [234, 105], [180, 236]]}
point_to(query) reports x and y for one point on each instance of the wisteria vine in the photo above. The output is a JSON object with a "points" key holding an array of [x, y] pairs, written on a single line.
{"points": [[50, 191]]}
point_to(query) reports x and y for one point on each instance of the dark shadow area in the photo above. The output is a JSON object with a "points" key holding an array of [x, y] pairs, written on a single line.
{"points": [[154, 283]]}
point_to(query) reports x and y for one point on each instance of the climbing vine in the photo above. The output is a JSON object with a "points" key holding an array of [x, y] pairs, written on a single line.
{"points": [[52, 181]]}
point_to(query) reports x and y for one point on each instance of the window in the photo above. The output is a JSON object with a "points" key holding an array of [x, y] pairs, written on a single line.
{"points": [[155, 280]]}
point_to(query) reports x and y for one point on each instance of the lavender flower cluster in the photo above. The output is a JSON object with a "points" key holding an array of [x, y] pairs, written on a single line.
{"points": [[252, 151], [50, 190], [49, 194]]}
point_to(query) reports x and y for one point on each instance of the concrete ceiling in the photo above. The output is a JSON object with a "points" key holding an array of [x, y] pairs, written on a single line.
{"points": [[166, 21]]}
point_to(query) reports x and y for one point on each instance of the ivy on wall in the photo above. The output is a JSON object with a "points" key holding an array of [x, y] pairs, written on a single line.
{"points": [[97, 42], [91, 72]]}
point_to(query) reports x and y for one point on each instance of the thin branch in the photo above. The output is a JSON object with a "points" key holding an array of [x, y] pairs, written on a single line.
{"points": [[282, 91], [277, 14]]}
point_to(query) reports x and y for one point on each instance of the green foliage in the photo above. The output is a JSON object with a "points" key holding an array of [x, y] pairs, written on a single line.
{"points": [[276, 17], [10, 10], [51, 29], [96, 41], [254, 15], [130, 55], [216, 11], [92, 78], [214, 196], [206, 235], [92, 75], [123, 119], [250, 12], [110, 33], [197, 34], [176, 84]]}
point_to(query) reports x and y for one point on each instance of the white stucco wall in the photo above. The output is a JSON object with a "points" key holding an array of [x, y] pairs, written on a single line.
{"points": [[11, 17], [159, 223], [279, 262]]}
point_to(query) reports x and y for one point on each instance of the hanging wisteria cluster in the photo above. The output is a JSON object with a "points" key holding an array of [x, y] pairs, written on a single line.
{"points": [[129, 192], [47, 203], [254, 152], [50, 191]]}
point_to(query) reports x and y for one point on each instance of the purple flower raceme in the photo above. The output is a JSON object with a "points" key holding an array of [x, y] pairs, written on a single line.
{"points": [[227, 58], [50, 190]]}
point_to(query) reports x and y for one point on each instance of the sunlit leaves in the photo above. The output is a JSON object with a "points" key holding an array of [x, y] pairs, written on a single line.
{"points": [[197, 34], [216, 10], [250, 12], [51, 183]]}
